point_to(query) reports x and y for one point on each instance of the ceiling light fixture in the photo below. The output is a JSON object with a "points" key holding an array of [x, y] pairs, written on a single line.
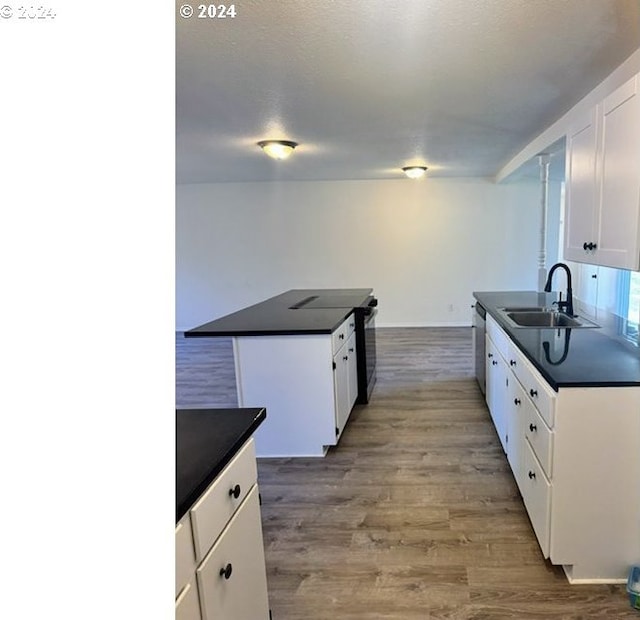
{"points": [[278, 149], [414, 172]]}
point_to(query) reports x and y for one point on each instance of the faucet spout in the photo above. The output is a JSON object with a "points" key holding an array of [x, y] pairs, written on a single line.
{"points": [[567, 305]]}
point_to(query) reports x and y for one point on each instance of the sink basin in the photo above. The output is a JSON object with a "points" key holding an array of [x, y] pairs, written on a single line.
{"points": [[527, 309], [544, 318]]}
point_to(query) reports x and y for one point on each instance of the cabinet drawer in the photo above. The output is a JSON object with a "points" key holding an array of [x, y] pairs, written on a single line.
{"points": [[213, 510], [185, 559], [536, 493], [187, 604], [340, 336], [232, 578], [540, 438], [537, 389]]}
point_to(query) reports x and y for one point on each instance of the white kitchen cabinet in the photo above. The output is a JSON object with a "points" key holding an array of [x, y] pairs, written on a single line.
{"points": [[603, 182], [220, 565], [293, 377], [517, 407], [581, 195], [585, 287], [231, 578], [187, 604], [496, 394], [345, 382], [352, 370], [185, 557], [186, 593], [536, 495], [619, 244], [222, 498], [575, 455]]}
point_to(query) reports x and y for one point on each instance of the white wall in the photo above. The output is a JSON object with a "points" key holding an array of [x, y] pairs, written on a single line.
{"points": [[423, 246]]}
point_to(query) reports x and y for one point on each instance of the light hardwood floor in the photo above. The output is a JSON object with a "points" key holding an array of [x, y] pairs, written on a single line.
{"points": [[415, 515]]}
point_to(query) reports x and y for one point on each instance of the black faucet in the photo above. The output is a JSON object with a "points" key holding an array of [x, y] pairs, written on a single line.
{"points": [[566, 305]]}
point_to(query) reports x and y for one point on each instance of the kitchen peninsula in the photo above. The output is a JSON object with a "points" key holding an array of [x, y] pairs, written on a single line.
{"points": [[566, 406], [307, 356], [219, 547]]}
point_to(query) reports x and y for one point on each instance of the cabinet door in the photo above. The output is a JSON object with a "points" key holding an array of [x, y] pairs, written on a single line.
{"points": [[184, 556], [518, 404], [352, 370], [232, 579], [187, 606], [341, 388], [536, 493], [585, 287], [218, 503], [581, 189], [497, 391], [618, 245]]}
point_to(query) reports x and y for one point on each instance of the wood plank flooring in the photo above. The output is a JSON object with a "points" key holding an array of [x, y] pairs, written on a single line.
{"points": [[415, 515]]}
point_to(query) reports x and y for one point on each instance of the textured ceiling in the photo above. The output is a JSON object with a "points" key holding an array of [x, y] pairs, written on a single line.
{"points": [[368, 86]]}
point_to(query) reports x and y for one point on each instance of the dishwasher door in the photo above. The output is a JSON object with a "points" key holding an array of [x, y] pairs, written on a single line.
{"points": [[479, 325]]}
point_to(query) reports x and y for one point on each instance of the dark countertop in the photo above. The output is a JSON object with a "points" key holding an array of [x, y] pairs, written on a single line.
{"points": [[206, 440], [595, 357], [298, 311]]}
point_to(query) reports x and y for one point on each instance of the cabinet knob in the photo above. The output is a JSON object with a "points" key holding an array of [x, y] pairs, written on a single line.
{"points": [[235, 493], [351, 350], [589, 246], [494, 363], [512, 362], [516, 401], [341, 336], [532, 475], [345, 358], [585, 246], [226, 571], [489, 355], [533, 392], [533, 428]]}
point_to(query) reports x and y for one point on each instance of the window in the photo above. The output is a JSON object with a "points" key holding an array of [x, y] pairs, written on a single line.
{"points": [[629, 303], [633, 310]]}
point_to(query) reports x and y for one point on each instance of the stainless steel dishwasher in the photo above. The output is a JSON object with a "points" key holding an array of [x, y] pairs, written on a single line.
{"points": [[479, 324]]}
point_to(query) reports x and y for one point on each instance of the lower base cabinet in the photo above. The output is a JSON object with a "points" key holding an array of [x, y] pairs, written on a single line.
{"points": [[231, 578], [575, 456], [187, 604], [220, 564], [308, 384], [536, 494]]}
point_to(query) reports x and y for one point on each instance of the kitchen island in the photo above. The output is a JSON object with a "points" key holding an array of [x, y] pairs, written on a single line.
{"points": [[219, 547], [566, 407], [307, 355]]}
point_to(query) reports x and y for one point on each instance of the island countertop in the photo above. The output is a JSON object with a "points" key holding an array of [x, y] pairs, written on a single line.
{"points": [[595, 357], [296, 312], [206, 441]]}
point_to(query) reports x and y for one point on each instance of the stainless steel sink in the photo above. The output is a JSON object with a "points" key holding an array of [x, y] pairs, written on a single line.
{"points": [[543, 318], [527, 309]]}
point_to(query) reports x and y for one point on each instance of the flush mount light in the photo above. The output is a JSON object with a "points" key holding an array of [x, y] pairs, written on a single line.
{"points": [[414, 172], [278, 149]]}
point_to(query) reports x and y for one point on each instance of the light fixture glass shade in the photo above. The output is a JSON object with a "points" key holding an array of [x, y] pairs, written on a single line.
{"points": [[414, 172], [278, 149]]}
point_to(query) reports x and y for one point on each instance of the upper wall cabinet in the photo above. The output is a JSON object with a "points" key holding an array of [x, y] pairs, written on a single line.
{"points": [[603, 182]]}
